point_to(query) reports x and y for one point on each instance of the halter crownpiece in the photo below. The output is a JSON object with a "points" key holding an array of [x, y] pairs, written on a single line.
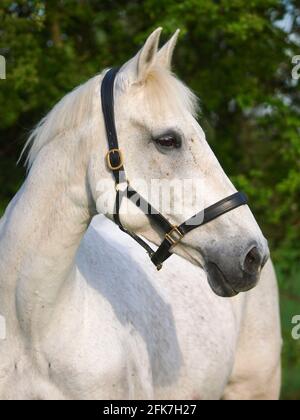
{"points": [[115, 162]]}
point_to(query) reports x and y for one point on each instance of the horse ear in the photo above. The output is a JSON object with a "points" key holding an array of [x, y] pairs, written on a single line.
{"points": [[165, 54], [147, 55], [137, 69]]}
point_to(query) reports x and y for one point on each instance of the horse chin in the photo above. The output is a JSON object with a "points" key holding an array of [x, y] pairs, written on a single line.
{"points": [[218, 281]]}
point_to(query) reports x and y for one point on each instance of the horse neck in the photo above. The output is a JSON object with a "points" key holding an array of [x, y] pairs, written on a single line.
{"points": [[42, 230]]}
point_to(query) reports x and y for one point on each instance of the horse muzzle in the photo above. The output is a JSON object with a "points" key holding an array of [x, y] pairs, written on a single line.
{"points": [[227, 279]]}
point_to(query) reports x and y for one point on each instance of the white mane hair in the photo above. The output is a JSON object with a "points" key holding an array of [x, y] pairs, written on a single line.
{"points": [[162, 89], [73, 110]]}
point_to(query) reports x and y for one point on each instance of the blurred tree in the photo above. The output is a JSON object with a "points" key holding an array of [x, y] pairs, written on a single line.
{"points": [[235, 54]]}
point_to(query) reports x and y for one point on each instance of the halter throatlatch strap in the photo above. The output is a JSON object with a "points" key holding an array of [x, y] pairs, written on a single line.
{"points": [[115, 162]]}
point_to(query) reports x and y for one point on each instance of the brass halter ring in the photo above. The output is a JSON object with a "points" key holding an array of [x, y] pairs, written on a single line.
{"points": [[174, 236]]}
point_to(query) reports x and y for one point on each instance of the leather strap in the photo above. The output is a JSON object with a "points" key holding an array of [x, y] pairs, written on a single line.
{"points": [[114, 160], [205, 216], [172, 234], [114, 157]]}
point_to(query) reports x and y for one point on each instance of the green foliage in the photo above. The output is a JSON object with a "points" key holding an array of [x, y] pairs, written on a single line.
{"points": [[234, 56]]}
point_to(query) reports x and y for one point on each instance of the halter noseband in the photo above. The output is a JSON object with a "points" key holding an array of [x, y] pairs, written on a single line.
{"points": [[115, 162]]}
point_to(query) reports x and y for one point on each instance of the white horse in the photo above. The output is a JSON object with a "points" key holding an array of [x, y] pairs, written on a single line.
{"points": [[87, 315]]}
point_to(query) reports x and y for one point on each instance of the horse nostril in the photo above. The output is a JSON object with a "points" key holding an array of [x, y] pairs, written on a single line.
{"points": [[253, 261]]}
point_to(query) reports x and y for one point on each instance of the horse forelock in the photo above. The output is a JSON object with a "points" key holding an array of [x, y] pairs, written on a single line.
{"points": [[162, 89]]}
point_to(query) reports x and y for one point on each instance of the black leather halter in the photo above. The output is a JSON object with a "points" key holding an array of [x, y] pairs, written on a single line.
{"points": [[114, 158]]}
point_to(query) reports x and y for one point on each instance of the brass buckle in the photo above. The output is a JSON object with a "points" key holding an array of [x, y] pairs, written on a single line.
{"points": [[111, 167], [174, 236]]}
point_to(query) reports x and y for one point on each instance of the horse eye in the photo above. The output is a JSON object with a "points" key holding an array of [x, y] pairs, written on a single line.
{"points": [[168, 141]]}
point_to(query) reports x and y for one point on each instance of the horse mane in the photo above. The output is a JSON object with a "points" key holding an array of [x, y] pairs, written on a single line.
{"points": [[67, 115], [162, 88]]}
